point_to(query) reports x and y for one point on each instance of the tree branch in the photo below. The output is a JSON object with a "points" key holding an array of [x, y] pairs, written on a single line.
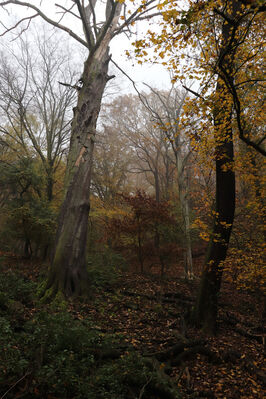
{"points": [[68, 10], [47, 19]]}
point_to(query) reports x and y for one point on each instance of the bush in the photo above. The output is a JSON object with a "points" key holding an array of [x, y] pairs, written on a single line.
{"points": [[15, 288], [105, 267], [48, 353], [12, 360]]}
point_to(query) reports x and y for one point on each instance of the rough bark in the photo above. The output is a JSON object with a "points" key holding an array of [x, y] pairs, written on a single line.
{"points": [[68, 271]]}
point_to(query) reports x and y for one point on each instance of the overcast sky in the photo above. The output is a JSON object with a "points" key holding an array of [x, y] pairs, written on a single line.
{"points": [[155, 75]]}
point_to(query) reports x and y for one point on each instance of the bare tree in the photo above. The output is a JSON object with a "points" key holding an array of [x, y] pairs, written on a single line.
{"points": [[112, 162], [167, 117], [147, 143], [162, 150], [68, 271], [35, 110]]}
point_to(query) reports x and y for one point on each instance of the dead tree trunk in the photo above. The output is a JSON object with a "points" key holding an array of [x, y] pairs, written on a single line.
{"points": [[68, 271]]}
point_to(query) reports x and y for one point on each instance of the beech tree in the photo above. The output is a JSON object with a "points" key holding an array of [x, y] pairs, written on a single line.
{"points": [[150, 153], [220, 44], [68, 270], [162, 151], [166, 116]]}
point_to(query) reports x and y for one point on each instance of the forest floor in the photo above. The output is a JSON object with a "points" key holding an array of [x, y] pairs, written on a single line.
{"points": [[149, 313]]}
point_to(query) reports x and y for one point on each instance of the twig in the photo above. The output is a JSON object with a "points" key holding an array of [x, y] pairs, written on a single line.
{"points": [[13, 386], [18, 23], [143, 388], [193, 92], [131, 80], [68, 10]]}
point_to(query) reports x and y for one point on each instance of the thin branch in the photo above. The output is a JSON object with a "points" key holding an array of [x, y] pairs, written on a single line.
{"points": [[134, 16], [69, 85], [249, 81], [85, 23], [131, 80], [47, 19], [17, 24], [93, 17], [68, 10], [193, 92]]}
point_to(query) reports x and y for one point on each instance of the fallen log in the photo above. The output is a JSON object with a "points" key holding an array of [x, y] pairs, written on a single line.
{"points": [[175, 350]]}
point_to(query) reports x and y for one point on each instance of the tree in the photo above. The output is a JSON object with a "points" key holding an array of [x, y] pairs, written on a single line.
{"points": [[35, 109], [146, 218], [27, 217], [220, 44], [152, 129], [167, 118], [68, 271], [230, 42], [150, 152], [111, 164]]}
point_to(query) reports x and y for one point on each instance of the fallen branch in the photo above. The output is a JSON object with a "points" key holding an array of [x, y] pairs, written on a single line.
{"points": [[175, 350]]}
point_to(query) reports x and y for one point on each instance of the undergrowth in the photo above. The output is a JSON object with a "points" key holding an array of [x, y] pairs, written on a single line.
{"points": [[48, 353]]}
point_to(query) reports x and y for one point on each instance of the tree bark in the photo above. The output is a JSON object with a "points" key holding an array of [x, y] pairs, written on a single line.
{"points": [[184, 207], [206, 307], [68, 271], [207, 301]]}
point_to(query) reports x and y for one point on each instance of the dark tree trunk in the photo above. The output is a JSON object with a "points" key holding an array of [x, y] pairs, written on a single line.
{"points": [[27, 248], [68, 271], [206, 307], [207, 301], [139, 245], [50, 186]]}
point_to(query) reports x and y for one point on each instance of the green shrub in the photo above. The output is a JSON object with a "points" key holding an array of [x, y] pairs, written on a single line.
{"points": [[12, 360], [59, 356], [17, 288], [105, 267]]}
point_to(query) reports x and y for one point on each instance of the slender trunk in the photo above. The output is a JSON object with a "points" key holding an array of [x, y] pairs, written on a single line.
{"points": [[140, 253], [188, 250], [49, 196], [27, 248], [50, 185], [68, 271], [206, 307], [157, 185], [184, 206], [157, 233]]}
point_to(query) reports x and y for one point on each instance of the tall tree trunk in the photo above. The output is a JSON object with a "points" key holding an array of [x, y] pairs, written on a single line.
{"points": [[139, 245], [206, 307], [68, 271], [50, 184], [188, 251], [207, 301]]}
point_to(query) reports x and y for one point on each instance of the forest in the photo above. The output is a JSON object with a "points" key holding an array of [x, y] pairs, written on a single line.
{"points": [[132, 232]]}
